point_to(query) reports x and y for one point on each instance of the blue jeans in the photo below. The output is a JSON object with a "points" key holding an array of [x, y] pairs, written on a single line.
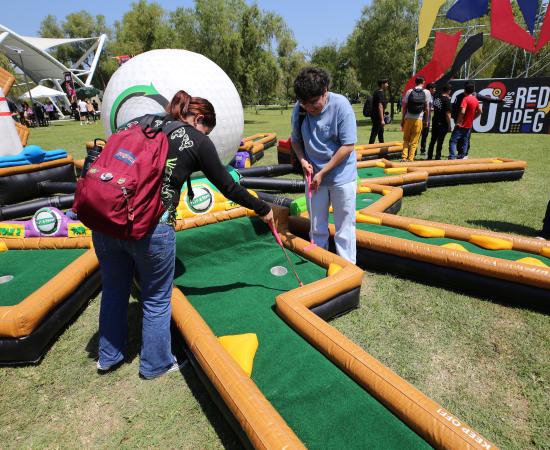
{"points": [[342, 199], [463, 135], [153, 260]]}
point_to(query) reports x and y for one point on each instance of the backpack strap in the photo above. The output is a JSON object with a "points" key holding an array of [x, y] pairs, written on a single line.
{"points": [[146, 125], [301, 117], [169, 128]]}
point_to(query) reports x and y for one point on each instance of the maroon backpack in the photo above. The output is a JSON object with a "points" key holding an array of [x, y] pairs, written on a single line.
{"points": [[120, 192]]}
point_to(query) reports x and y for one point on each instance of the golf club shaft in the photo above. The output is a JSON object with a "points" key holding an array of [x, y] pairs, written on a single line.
{"points": [[278, 239], [291, 264]]}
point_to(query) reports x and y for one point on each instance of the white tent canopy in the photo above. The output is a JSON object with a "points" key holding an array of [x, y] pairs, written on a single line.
{"points": [[46, 92], [43, 91], [30, 55]]}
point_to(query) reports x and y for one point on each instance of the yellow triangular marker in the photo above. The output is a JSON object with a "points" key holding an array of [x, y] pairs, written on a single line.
{"points": [[455, 246], [532, 261], [333, 268], [3, 247], [242, 347]]}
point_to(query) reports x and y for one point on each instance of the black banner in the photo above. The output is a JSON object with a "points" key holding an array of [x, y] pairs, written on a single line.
{"points": [[517, 105]]}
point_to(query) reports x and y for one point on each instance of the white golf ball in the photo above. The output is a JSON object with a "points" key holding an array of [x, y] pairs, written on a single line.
{"points": [[147, 82]]}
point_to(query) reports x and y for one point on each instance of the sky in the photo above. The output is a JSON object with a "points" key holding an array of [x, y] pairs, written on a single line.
{"points": [[313, 22]]}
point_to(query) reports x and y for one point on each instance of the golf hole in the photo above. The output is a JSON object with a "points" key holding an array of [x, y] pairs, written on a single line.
{"points": [[279, 271], [7, 278]]}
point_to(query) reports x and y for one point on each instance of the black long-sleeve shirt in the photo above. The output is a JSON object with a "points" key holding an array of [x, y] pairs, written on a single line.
{"points": [[190, 151]]}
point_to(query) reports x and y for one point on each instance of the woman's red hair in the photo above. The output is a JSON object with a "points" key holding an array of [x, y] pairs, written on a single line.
{"points": [[182, 104]]}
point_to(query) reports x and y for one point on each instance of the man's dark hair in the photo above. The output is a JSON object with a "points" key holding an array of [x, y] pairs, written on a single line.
{"points": [[382, 81], [430, 86], [469, 87], [446, 88], [311, 82], [419, 80]]}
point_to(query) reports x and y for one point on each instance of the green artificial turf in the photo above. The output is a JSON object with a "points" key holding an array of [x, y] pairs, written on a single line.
{"points": [[372, 172], [30, 270], [224, 270], [512, 255]]}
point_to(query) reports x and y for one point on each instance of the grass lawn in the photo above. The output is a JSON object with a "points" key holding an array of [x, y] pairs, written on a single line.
{"points": [[486, 362]]}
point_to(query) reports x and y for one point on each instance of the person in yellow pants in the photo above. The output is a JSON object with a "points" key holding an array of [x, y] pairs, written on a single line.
{"points": [[415, 114]]}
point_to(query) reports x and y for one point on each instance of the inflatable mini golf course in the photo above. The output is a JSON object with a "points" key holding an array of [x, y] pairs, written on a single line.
{"points": [[41, 290], [322, 405], [308, 385]]}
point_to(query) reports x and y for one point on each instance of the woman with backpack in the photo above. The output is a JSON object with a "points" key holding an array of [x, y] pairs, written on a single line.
{"points": [[153, 256]]}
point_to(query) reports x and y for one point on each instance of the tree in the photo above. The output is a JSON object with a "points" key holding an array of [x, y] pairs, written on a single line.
{"points": [[239, 38], [382, 43], [255, 48], [143, 28], [290, 62], [337, 60]]}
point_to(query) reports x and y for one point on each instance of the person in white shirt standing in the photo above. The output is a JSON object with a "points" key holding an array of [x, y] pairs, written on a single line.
{"points": [[83, 112]]}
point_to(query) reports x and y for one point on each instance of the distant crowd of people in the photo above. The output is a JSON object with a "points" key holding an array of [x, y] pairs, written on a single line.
{"points": [[35, 115], [422, 106], [41, 114]]}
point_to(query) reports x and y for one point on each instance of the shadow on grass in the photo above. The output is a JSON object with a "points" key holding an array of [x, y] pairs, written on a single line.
{"points": [[134, 335], [211, 404], [505, 227], [252, 122], [198, 291]]}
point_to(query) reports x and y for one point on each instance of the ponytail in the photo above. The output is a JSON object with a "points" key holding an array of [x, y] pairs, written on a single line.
{"points": [[182, 104]]}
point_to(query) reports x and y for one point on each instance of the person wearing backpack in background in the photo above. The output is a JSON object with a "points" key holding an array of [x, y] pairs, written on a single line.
{"points": [[470, 109], [415, 115], [378, 108], [426, 130], [367, 107], [152, 257]]}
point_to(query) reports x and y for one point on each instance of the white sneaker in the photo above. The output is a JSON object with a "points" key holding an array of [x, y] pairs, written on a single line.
{"points": [[104, 369], [173, 368]]}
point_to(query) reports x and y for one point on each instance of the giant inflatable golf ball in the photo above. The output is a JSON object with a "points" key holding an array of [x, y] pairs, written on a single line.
{"points": [[146, 84]]}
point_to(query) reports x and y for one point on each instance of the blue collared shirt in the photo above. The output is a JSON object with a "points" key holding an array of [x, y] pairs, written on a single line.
{"points": [[324, 134]]}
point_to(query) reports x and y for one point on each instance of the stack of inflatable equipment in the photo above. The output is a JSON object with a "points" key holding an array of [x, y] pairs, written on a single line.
{"points": [[28, 174], [252, 149], [46, 274], [365, 152], [282, 375], [413, 177], [497, 265]]}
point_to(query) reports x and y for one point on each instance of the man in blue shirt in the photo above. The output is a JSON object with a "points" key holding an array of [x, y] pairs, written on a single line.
{"points": [[325, 147]]}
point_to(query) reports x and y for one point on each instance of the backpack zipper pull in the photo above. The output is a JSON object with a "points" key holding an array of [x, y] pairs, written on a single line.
{"points": [[130, 209]]}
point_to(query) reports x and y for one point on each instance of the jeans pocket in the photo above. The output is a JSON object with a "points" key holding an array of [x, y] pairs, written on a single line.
{"points": [[160, 243]]}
